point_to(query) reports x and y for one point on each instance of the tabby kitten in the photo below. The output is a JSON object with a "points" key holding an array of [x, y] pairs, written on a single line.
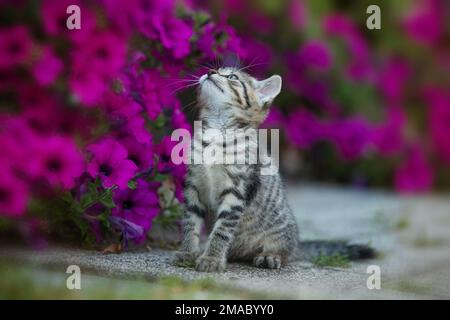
{"points": [[245, 212]]}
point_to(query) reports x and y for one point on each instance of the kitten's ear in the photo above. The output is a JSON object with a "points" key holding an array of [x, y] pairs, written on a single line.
{"points": [[268, 89]]}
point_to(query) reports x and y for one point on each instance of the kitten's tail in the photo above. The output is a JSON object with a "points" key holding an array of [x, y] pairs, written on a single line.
{"points": [[311, 250]]}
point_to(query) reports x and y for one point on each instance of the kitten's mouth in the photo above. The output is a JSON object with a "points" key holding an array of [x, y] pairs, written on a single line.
{"points": [[213, 82]]}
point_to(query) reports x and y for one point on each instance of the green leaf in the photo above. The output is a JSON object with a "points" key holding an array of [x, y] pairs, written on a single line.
{"points": [[107, 200], [132, 184], [93, 187], [67, 197], [159, 177], [87, 200], [201, 19], [159, 122]]}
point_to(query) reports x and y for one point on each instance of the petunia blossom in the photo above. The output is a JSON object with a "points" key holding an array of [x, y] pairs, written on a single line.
{"points": [[415, 173], [141, 154], [13, 193], [315, 55], [58, 160], [47, 68], [160, 23], [304, 129], [438, 111], [425, 23], [388, 136], [352, 137], [138, 206], [15, 46], [109, 163]]}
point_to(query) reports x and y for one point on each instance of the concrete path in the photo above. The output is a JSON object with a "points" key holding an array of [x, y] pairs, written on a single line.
{"points": [[412, 234]]}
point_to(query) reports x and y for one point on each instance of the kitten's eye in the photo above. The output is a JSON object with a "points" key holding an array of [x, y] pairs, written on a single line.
{"points": [[232, 77]]}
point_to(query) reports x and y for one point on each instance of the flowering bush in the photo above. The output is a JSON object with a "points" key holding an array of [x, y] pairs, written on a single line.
{"points": [[86, 114]]}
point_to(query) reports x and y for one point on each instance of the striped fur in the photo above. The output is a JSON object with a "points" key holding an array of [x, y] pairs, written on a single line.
{"points": [[246, 213]]}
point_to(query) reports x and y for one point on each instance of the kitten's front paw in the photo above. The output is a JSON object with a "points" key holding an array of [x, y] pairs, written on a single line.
{"points": [[269, 261], [210, 264], [182, 257]]}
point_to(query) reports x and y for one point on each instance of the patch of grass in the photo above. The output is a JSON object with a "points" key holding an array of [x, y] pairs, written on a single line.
{"points": [[384, 221], [411, 287], [336, 261], [423, 240], [402, 223], [176, 282], [380, 255], [185, 264], [34, 282]]}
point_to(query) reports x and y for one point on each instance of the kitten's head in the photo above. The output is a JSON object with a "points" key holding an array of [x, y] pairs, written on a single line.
{"points": [[232, 98]]}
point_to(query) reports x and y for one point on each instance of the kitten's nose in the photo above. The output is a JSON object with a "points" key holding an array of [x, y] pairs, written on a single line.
{"points": [[211, 72]]}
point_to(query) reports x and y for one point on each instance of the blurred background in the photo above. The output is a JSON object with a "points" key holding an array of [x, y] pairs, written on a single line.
{"points": [[359, 106], [86, 114]]}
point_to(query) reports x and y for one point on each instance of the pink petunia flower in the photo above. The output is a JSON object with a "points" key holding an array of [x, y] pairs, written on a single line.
{"points": [[58, 160], [425, 23], [105, 54], [393, 79], [173, 33], [275, 119], [258, 57], [351, 136], [110, 163], [155, 92], [297, 13], [47, 68], [139, 206], [229, 41], [388, 136], [157, 20], [316, 55], [415, 174], [360, 66], [438, 110], [15, 46], [13, 193], [119, 106], [17, 139], [304, 129], [136, 127], [141, 154], [87, 86], [95, 66]]}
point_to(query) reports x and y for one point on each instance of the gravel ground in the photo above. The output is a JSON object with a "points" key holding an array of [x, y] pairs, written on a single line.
{"points": [[411, 234]]}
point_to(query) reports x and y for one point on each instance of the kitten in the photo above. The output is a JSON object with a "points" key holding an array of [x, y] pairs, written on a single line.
{"points": [[246, 213]]}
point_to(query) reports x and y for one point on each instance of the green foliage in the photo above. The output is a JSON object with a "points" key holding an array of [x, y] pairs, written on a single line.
{"points": [[402, 223], [423, 240], [132, 185], [69, 217], [336, 261], [34, 282], [186, 264]]}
